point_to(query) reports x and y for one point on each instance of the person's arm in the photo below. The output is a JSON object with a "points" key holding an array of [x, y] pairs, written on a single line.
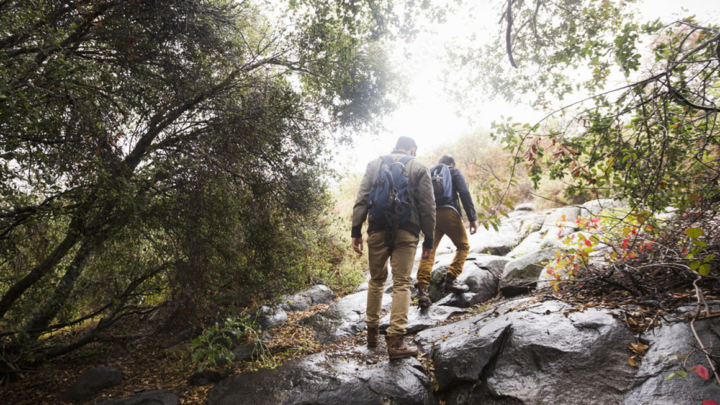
{"points": [[360, 210], [462, 189], [426, 205]]}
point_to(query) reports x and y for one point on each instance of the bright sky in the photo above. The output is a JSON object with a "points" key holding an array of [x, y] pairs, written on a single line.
{"points": [[431, 118]]}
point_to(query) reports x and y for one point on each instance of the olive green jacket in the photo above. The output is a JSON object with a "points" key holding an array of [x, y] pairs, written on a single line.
{"points": [[422, 217]]}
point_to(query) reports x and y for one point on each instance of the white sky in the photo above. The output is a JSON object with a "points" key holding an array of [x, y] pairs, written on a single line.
{"points": [[431, 118]]}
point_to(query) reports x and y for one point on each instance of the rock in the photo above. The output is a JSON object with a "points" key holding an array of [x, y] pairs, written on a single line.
{"points": [[344, 318], [423, 319], [91, 382], [531, 243], [204, 377], [362, 287], [437, 279], [651, 386], [526, 207], [521, 275], [534, 355], [156, 397], [320, 379], [318, 294], [531, 224], [498, 243], [247, 351], [595, 207], [270, 317]]}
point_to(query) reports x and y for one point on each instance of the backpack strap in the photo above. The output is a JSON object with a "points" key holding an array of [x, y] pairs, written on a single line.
{"points": [[387, 160]]}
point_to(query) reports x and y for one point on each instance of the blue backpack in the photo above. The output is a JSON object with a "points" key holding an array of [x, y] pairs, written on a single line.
{"points": [[442, 184], [390, 199]]}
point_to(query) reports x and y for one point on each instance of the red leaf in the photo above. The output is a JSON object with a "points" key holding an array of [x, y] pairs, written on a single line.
{"points": [[588, 243], [709, 402], [703, 373]]}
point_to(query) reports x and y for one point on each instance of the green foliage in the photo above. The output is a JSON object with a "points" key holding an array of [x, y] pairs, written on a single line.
{"points": [[216, 342], [154, 151]]}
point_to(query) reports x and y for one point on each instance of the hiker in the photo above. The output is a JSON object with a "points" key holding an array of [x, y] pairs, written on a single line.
{"points": [[396, 240], [449, 222]]}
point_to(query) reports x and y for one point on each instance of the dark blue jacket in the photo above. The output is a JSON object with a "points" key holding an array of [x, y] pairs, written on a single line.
{"points": [[462, 193]]}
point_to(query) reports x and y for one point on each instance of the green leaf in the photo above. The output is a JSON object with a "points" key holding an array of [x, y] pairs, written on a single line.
{"points": [[704, 269], [699, 243], [694, 233], [694, 265]]}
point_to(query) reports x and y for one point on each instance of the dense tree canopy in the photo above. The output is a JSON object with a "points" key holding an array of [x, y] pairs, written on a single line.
{"points": [[152, 150]]}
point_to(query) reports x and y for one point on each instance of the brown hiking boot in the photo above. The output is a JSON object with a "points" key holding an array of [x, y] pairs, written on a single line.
{"points": [[452, 285], [422, 295], [373, 332], [398, 349]]}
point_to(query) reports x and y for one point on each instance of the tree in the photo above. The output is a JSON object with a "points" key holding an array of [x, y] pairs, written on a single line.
{"points": [[153, 150], [651, 140]]}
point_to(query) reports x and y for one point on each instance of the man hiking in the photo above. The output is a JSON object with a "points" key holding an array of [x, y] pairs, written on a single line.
{"points": [[393, 233], [449, 222]]}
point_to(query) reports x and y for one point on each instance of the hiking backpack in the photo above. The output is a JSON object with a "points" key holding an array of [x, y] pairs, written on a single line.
{"points": [[442, 185], [390, 199]]}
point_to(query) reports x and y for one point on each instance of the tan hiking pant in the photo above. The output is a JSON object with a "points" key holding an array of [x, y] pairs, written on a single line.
{"points": [[401, 261], [448, 223]]}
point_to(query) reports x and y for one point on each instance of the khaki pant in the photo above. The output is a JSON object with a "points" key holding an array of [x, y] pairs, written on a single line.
{"points": [[402, 260], [448, 223]]}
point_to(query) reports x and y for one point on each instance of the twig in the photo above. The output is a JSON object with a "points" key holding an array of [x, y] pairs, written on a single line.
{"points": [[700, 300], [508, 34]]}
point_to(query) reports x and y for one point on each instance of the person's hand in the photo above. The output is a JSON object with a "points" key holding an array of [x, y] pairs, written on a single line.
{"points": [[473, 227], [425, 253], [357, 244]]}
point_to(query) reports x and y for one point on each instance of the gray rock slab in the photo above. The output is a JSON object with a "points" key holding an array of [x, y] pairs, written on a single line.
{"points": [[595, 207], [91, 382], [666, 343], [421, 319], [344, 318], [480, 273], [524, 355], [315, 295], [526, 207], [323, 380], [270, 317], [521, 275], [155, 397]]}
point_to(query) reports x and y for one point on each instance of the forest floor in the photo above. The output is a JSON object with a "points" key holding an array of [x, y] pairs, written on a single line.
{"points": [[148, 365]]}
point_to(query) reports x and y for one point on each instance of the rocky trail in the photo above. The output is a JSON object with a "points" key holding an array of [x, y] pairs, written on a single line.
{"points": [[504, 342]]}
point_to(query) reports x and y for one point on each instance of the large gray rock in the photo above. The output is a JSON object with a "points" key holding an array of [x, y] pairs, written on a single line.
{"points": [[480, 273], [421, 319], [560, 223], [526, 207], [532, 243], [666, 343], [609, 207], [270, 317], [521, 275], [323, 380], [498, 243], [344, 318], [535, 355], [91, 382], [156, 397], [318, 294]]}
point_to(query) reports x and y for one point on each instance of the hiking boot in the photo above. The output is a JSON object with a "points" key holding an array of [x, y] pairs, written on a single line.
{"points": [[422, 295], [373, 332], [398, 349], [452, 285]]}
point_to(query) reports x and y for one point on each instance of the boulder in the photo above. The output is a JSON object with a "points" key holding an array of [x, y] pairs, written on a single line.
{"points": [[344, 318], [498, 243], [482, 275], [421, 319], [270, 317], [526, 207], [322, 379], [91, 382], [521, 275], [595, 207], [667, 342], [531, 224], [532, 243], [318, 294], [156, 397], [536, 355]]}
